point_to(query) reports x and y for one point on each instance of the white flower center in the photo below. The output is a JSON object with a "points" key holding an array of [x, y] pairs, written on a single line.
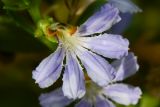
{"points": [[70, 42]]}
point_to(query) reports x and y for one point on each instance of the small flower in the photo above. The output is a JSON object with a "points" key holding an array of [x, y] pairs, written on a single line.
{"points": [[101, 96], [118, 92], [125, 6], [74, 44]]}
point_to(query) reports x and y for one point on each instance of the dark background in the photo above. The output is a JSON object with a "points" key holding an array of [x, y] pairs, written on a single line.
{"points": [[20, 53]]}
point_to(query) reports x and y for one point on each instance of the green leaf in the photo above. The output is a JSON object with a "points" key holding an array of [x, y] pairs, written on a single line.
{"points": [[119, 105], [33, 7], [149, 101], [16, 5]]}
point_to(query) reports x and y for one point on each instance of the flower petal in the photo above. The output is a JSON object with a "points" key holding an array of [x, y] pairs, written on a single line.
{"points": [[100, 21], [54, 99], [126, 67], [84, 103], [125, 6], [98, 69], [73, 78], [108, 45], [123, 94], [49, 69], [101, 102]]}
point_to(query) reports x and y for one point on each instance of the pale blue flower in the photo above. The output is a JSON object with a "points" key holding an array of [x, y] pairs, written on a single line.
{"points": [[87, 50], [118, 92], [125, 6], [102, 96]]}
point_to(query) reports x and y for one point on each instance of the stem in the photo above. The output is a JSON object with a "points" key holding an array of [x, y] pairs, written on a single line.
{"points": [[35, 14], [34, 10]]}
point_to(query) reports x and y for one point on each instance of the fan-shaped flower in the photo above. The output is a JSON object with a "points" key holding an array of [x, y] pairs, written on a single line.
{"points": [[76, 45], [118, 92]]}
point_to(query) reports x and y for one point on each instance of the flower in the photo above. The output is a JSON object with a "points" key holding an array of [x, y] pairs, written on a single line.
{"points": [[118, 92], [125, 6], [76, 45], [101, 96]]}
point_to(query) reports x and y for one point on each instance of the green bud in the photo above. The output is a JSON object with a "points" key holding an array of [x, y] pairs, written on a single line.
{"points": [[43, 29]]}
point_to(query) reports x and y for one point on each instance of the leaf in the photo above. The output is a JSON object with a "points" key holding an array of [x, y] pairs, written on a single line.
{"points": [[149, 101], [16, 5]]}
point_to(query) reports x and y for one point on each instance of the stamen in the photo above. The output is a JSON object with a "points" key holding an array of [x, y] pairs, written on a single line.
{"points": [[72, 30]]}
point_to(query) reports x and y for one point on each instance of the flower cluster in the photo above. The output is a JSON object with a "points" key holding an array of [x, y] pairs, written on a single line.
{"points": [[87, 46], [98, 96]]}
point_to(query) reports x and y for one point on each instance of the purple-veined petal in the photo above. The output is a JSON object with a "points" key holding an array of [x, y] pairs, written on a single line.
{"points": [[125, 6], [100, 21], [84, 103], [73, 78], [126, 67], [49, 69], [101, 102], [107, 45], [54, 99], [98, 69], [123, 94]]}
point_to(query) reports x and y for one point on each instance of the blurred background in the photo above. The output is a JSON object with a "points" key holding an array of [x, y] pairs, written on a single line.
{"points": [[20, 52]]}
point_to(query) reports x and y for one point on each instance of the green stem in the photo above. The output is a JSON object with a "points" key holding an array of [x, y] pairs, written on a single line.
{"points": [[34, 10]]}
